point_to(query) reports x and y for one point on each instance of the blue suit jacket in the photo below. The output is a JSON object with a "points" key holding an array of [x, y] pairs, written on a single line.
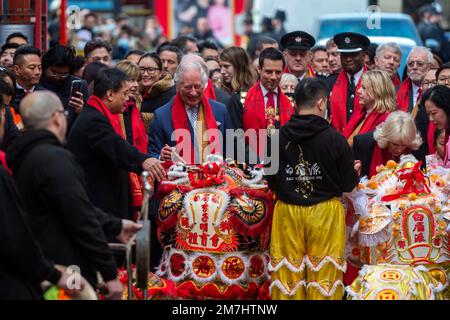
{"points": [[161, 128]]}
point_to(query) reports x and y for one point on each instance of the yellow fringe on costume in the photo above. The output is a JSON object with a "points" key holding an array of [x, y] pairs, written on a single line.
{"points": [[307, 251]]}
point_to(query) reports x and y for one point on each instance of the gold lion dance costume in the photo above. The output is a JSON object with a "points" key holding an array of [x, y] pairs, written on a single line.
{"points": [[401, 233], [214, 224], [307, 245]]}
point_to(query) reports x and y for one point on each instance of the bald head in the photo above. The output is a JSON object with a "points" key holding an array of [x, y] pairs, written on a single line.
{"points": [[37, 108]]}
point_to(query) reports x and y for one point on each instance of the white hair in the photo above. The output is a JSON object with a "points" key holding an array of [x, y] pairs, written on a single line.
{"points": [[399, 127], [288, 77], [422, 49], [388, 46], [186, 66], [37, 108]]}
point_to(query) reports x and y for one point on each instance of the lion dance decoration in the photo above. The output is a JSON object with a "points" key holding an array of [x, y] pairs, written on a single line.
{"points": [[214, 224], [400, 235]]}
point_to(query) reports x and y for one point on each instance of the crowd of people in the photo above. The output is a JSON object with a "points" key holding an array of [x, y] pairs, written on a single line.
{"points": [[76, 132]]}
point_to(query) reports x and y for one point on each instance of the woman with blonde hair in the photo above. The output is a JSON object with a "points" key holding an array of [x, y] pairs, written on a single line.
{"points": [[130, 120], [395, 137], [238, 73], [377, 99]]}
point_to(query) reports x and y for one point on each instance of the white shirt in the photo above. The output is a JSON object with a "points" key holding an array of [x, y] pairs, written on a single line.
{"points": [[275, 96], [357, 76], [18, 86], [302, 77], [415, 93]]}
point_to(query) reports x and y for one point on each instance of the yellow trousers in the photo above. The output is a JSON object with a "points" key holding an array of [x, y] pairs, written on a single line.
{"points": [[307, 251]]}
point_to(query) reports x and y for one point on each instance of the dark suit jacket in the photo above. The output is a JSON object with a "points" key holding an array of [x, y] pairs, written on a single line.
{"points": [[222, 97], [161, 128], [106, 159], [363, 145]]}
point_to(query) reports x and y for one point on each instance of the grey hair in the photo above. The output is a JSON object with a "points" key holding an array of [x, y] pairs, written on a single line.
{"points": [[422, 49], [399, 127], [37, 108], [192, 57], [389, 46], [185, 66]]}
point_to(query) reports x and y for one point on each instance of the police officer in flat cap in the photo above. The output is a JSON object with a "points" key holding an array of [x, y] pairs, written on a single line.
{"points": [[297, 52], [344, 100]]}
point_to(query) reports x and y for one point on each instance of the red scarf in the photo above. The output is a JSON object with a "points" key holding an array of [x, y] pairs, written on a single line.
{"points": [[403, 95], [253, 110], [135, 185], [254, 113], [210, 93], [180, 120], [309, 71], [430, 138], [338, 101], [3, 162], [371, 121], [396, 80], [140, 139]]}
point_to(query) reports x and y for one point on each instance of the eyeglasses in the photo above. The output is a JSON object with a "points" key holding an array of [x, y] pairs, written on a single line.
{"points": [[444, 81], [429, 83], [149, 70], [65, 112], [420, 64], [57, 75]]}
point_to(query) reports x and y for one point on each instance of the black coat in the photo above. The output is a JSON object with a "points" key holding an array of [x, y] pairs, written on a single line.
{"points": [[106, 159], [363, 145], [222, 96], [11, 130], [20, 94], [63, 220], [22, 263], [150, 104]]}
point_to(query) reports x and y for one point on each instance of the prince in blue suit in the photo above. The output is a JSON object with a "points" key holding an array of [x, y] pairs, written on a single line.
{"points": [[188, 110]]}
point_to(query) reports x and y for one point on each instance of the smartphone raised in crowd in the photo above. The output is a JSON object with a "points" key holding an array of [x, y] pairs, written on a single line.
{"points": [[76, 87]]}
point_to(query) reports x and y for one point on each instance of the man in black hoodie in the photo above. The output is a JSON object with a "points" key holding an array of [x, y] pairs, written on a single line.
{"points": [[68, 227], [308, 233]]}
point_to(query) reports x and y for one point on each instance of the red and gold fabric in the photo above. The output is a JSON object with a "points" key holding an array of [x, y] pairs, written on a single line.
{"points": [[403, 218], [208, 123], [256, 115], [362, 122], [395, 282], [214, 223]]}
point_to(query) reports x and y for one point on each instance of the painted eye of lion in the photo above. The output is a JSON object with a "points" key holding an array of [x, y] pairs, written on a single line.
{"points": [[170, 205]]}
